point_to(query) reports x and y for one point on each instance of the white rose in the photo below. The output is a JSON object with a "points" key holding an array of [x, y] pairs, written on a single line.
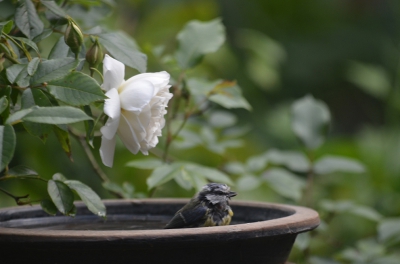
{"points": [[136, 109]]}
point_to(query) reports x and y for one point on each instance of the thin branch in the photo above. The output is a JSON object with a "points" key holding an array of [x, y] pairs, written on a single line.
{"points": [[89, 154]]}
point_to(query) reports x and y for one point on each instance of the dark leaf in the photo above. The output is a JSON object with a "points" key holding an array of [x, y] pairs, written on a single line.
{"points": [[61, 195], [49, 207], [27, 20], [7, 145]]}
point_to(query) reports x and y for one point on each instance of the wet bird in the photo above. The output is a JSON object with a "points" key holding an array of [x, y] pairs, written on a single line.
{"points": [[209, 207]]}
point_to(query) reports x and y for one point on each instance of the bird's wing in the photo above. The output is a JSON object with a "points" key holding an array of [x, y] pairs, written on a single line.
{"points": [[187, 216]]}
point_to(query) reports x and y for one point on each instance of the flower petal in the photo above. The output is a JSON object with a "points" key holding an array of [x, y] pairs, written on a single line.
{"points": [[113, 72], [107, 150], [136, 95], [158, 79], [113, 110], [128, 135]]}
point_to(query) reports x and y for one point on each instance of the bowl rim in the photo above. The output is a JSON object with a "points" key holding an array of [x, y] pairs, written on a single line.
{"points": [[303, 219]]}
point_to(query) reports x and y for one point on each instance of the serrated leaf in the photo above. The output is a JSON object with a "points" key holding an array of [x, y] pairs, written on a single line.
{"points": [[53, 7], [145, 164], [59, 50], [27, 20], [76, 89], [16, 72], [6, 26], [35, 97], [32, 66], [3, 104], [53, 69], [310, 121], [229, 96], [88, 196], [124, 49], [49, 207], [7, 145], [61, 195], [56, 115], [330, 164], [197, 39], [293, 160], [21, 171], [285, 183], [64, 140]]}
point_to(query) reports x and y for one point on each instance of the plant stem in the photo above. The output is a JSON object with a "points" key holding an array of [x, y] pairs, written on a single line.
{"points": [[89, 154], [9, 177]]}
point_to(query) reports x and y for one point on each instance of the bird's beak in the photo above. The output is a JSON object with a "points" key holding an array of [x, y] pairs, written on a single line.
{"points": [[232, 194]]}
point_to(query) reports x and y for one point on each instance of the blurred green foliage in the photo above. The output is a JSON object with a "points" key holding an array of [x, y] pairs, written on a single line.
{"points": [[344, 53]]}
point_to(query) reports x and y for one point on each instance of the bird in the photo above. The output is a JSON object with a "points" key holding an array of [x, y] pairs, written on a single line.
{"points": [[208, 207]]}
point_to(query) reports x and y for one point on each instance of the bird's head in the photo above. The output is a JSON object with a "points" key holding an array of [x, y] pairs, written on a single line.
{"points": [[216, 193]]}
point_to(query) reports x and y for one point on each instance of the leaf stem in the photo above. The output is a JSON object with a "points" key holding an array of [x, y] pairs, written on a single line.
{"points": [[22, 47], [16, 198], [92, 70]]}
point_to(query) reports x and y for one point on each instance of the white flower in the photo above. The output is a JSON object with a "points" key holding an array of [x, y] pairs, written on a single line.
{"points": [[136, 109]]}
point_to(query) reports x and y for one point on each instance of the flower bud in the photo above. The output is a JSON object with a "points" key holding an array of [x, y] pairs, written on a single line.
{"points": [[94, 55], [73, 37]]}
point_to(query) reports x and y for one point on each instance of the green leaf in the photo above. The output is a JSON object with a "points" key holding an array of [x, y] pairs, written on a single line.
{"points": [[56, 115], [53, 69], [293, 160], [161, 175], [207, 172], [302, 241], [64, 140], [310, 121], [351, 208], [124, 49], [76, 89], [48, 206], [225, 93], [89, 197], [27, 20], [17, 116], [31, 98], [248, 182], [32, 66], [18, 74], [6, 26], [7, 145], [222, 119], [28, 42], [183, 179], [330, 164], [61, 195], [235, 167], [45, 34], [256, 163], [59, 177], [197, 39], [127, 191], [389, 230], [89, 125], [53, 7], [21, 171], [370, 78], [59, 50], [145, 164], [3, 104], [285, 183]]}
